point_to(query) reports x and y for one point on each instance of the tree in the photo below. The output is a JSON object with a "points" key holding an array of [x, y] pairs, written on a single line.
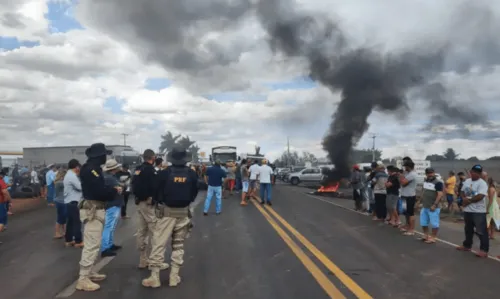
{"points": [[294, 159], [185, 142], [494, 158], [168, 141], [473, 159], [450, 154], [435, 158], [257, 150], [193, 149]]}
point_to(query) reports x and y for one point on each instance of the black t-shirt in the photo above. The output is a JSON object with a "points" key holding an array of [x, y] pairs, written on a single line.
{"points": [[394, 189]]}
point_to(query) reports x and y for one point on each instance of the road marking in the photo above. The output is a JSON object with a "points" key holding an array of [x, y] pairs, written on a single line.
{"points": [[417, 232], [71, 289], [324, 282], [344, 278]]}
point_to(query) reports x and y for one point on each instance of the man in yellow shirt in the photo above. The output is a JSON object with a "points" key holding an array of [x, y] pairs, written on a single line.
{"points": [[450, 189]]}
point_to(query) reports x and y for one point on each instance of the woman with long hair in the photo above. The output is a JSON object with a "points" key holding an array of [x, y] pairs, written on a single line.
{"points": [[60, 228], [493, 210]]}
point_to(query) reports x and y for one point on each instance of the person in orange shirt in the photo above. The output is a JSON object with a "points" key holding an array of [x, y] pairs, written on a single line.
{"points": [[450, 189]]}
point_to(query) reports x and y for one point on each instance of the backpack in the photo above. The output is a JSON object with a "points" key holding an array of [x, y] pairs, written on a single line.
{"points": [[137, 184], [177, 187]]}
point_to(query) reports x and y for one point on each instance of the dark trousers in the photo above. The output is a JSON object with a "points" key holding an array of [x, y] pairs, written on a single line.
{"points": [[477, 221], [380, 207], [73, 224], [125, 202], [358, 199]]}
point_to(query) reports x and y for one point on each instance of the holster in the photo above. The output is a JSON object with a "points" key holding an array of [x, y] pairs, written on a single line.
{"points": [[90, 207]]}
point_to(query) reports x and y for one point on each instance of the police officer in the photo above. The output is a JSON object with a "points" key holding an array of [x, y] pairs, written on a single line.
{"points": [[144, 188], [92, 214], [177, 189]]}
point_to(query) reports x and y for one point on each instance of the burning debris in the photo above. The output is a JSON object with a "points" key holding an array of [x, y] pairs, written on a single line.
{"points": [[329, 188]]}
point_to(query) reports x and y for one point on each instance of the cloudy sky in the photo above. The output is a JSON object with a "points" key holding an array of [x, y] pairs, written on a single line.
{"points": [[74, 74]]}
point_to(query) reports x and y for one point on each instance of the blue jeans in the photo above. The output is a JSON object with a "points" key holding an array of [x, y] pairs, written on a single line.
{"points": [[61, 213], [265, 188], [237, 186], [51, 193], [3, 213], [218, 198], [112, 215]]}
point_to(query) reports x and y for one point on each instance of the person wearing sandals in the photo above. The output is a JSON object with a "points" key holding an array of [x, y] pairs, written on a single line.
{"points": [[431, 196], [60, 228], [392, 187], [493, 216], [408, 181]]}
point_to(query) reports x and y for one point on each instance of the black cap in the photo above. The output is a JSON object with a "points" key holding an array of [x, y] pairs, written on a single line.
{"points": [[429, 170], [477, 168]]}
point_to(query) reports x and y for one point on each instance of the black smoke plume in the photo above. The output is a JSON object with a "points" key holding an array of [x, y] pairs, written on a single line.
{"points": [[367, 80]]}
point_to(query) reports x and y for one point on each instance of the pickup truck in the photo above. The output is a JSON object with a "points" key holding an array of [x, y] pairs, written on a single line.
{"points": [[311, 175]]}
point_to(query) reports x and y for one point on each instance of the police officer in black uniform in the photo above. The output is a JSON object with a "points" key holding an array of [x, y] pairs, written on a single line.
{"points": [[177, 189], [144, 188], [95, 194]]}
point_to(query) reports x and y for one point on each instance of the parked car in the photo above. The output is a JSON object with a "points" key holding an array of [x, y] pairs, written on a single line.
{"points": [[312, 175]]}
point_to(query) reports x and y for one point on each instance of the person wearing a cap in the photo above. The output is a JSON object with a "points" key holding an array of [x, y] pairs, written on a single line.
{"points": [[124, 176], [144, 189], [113, 208], [474, 194], [177, 189], [214, 177], [95, 194], [265, 173], [356, 184], [50, 178], [432, 193], [380, 192], [408, 181]]}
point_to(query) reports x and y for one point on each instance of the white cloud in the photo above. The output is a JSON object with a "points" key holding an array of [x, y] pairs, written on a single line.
{"points": [[56, 93]]}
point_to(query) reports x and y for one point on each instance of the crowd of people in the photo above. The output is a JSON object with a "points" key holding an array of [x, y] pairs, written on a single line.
{"points": [[388, 192]]}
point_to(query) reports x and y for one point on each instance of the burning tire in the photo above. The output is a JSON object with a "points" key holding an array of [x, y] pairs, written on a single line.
{"points": [[294, 181]]}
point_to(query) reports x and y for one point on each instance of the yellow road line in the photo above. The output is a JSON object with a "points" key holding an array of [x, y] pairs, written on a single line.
{"points": [[346, 280], [321, 278]]}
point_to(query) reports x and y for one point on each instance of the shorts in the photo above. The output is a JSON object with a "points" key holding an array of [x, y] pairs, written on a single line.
{"points": [[409, 202], [230, 183], [391, 201], [450, 198], [244, 186], [429, 217], [61, 213], [253, 184]]}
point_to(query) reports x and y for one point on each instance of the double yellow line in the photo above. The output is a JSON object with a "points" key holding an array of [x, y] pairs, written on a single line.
{"points": [[321, 278]]}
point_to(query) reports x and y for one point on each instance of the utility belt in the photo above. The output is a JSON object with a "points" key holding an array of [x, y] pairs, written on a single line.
{"points": [[89, 208], [161, 210], [149, 200]]}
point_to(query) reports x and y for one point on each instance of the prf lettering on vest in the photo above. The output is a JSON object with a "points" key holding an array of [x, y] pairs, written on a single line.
{"points": [[179, 179]]}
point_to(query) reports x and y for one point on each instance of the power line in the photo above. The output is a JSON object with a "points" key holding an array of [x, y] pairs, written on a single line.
{"points": [[125, 139], [373, 146]]}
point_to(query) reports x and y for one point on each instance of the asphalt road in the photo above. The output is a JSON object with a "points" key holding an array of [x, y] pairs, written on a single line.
{"points": [[300, 247]]}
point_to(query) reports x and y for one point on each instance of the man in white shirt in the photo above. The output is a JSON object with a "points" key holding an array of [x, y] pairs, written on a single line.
{"points": [[254, 176], [35, 182], [474, 194], [265, 172]]}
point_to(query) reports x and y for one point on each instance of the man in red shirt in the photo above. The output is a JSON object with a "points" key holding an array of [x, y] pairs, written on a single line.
{"points": [[4, 201]]}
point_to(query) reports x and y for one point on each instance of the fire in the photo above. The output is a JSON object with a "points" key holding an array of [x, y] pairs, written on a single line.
{"points": [[330, 188]]}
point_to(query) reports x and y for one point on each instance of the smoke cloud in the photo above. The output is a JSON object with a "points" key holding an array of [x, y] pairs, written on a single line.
{"points": [[368, 80]]}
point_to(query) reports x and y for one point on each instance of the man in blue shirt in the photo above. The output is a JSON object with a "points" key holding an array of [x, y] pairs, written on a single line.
{"points": [[50, 177], [214, 178]]}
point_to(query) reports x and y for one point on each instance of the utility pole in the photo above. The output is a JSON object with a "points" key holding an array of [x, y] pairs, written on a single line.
{"points": [[373, 147], [288, 151], [124, 139]]}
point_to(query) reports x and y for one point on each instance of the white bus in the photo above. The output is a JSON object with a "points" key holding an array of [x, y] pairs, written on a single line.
{"points": [[224, 154]]}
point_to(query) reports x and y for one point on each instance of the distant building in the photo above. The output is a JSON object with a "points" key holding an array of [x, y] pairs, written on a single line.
{"points": [[36, 156]]}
